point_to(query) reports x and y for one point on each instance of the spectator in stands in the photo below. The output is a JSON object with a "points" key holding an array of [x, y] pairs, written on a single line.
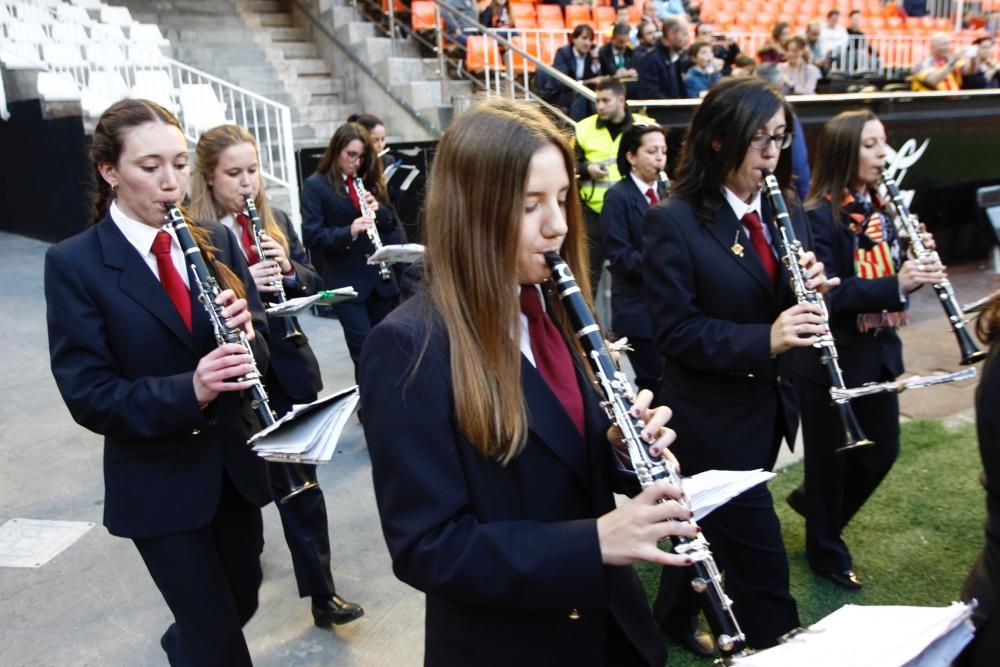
{"points": [[815, 46], [597, 141], [723, 49], [773, 50], [983, 71], [650, 16], [702, 73], [798, 75], [859, 54], [942, 70], [661, 73], [496, 15], [667, 8], [577, 60], [616, 56], [800, 157], [743, 65], [649, 37], [453, 25], [833, 37]]}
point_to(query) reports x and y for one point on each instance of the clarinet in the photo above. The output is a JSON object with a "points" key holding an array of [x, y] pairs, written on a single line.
{"points": [[208, 292], [791, 252], [290, 324], [945, 293], [359, 187], [618, 394]]}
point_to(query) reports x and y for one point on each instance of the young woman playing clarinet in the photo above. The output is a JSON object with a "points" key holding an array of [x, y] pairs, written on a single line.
{"points": [[725, 321], [490, 454], [983, 582], [340, 226], [136, 360], [228, 173], [857, 242]]}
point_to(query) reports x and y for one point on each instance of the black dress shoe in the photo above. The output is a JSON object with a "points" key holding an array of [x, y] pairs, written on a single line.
{"points": [[334, 610], [797, 500], [847, 579], [688, 635]]}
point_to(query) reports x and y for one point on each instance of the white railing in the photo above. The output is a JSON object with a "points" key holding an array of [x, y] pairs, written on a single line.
{"points": [[107, 69]]}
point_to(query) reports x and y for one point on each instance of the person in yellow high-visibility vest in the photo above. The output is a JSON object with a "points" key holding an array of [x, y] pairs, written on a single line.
{"points": [[597, 139]]}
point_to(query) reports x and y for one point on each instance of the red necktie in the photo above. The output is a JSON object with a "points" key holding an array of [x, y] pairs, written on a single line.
{"points": [[552, 356], [354, 193], [170, 279], [759, 242], [651, 196], [246, 238]]}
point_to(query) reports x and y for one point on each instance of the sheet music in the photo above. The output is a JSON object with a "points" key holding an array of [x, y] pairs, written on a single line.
{"points": [[882, 636], [308, 433], [402, 253], [293, 307], [714, 488]]}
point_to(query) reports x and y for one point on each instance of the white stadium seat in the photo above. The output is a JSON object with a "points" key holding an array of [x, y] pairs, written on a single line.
{"points": [[155, 84], [105, 54], [27, 31], [116, 16], [72, 13], [62, 56], [20, 55], [104, 88], [69, 33], [145, 55], [57, 87], [200, 109], [147, 33], [107, 32], [33, 13]]}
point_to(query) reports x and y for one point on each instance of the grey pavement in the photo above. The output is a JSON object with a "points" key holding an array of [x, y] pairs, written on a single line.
{"points": [[94, 604]]}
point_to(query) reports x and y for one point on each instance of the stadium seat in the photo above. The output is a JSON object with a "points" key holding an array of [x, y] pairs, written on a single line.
{"points": [[553, 12], [200, 108], [69, 33], [63, 56], [57, 87], [577, 14], [604, 17], [481, 51], [521, 10], [104, 88], [526, 22], [27, 31], [155, 84], [397, 8], [33, 13], [116, 16], [422, 15], [147, 33], [108, 31], [20, 55], [105, 54], [519, 63]]}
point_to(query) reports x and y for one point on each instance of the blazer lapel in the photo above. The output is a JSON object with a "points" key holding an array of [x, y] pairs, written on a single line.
{"points": [[548, 420], [729, 232], [138, 282]]}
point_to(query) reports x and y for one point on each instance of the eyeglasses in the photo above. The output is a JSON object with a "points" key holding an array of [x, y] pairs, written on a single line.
{"points": [[761, 141]]}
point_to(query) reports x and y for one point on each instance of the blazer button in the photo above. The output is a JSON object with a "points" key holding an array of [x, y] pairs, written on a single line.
{"points": [[195, 431], [574, 615], [750, 375]]}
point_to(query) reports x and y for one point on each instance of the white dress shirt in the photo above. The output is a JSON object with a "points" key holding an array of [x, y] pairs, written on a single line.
{"points": [[141, 236]]}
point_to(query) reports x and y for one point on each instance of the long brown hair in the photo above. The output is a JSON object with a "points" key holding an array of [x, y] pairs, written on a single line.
{"points": [[106, 148], [835, 164], [474, 212], [370, 169], [988, 322], [204, 206]]}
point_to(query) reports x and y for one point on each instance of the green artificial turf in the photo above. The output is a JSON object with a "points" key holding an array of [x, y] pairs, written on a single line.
{"points": [[912, 543]]}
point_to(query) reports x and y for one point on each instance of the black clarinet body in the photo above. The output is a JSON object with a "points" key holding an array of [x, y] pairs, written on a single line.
{"points": [[791, 253], [945, 293], [618, 394], [208, 291], [290, 324]]}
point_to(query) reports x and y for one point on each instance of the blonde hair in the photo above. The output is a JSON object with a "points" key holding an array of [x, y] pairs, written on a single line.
{"points": [[474, 214]]}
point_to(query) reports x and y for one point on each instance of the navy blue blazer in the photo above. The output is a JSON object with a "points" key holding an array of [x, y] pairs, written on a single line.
{"points": [[659, 78], [864, 357], [293, 364], [606, 56], [624, 209], [564, 60], [326, 230], [505, 554], [124, 362], [712, 312]]}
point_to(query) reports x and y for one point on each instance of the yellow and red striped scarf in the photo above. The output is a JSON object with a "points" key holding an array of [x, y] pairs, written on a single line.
{"points": [[876, 253]]}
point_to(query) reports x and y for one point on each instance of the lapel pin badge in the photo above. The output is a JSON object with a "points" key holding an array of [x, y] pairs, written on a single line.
{"points": [[737, 248]]}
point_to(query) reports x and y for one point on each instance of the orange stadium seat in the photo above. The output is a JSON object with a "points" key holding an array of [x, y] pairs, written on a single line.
{"points": [[634, 13], [604, 17], [481, 51], [397, 7], [522, 10], [422, 15], [577, 14], [548, 13], [526, 22]]}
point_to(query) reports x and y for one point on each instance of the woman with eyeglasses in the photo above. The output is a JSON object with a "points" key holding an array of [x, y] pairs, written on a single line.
{"points": [[336, 231], [858, 243], [726, 322]]}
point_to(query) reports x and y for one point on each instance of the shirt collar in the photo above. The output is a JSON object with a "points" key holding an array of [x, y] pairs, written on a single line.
{"points": [[740, 207], [642, 185], [139, 234], [627, 120]]}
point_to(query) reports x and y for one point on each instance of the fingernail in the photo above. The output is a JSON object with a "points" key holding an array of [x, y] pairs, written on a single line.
{"points": [[691, 515], [698, 528], [688, 561], [648, 437], [655, 451], [635, 412]]}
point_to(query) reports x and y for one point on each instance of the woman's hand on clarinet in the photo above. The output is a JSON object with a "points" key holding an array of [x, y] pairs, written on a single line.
{"points": [[266, 275], [274, 252], [916, 273], [815, 274], [797, 327], [372, 203], [215, 369], [235, 312], [633, 531], [654, 431], [361, 225]]}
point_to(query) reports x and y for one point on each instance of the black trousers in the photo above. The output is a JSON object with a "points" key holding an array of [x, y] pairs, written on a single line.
{"points": [[357, 319], [837, 484], [209, 578], [745, 538]]}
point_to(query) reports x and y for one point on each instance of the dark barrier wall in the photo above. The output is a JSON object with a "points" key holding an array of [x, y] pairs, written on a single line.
{"points": [[44, 174], [957, 138]]}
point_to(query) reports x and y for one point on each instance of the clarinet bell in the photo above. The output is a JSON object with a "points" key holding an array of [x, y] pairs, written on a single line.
{"points": [[970, 353], [296, 490], [855, 437]]}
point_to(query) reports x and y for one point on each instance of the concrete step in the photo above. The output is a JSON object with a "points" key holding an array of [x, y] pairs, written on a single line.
{"points": [[291, 50], [283, 20], [307, 67], [285, 34], [320, 85], [425, 94], [395, 70], [265, 6], [377, 49], [327, 111], [342, 15]]}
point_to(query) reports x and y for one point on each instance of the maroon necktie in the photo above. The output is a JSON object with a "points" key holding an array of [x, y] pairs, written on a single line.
{"points": [[759, 242], [651, 196], [246, 238], [349, 182], [170, 279], [552, 356]]}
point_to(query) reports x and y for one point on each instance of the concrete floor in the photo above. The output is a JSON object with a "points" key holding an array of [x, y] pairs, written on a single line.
{"points": [[94, 604]]}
